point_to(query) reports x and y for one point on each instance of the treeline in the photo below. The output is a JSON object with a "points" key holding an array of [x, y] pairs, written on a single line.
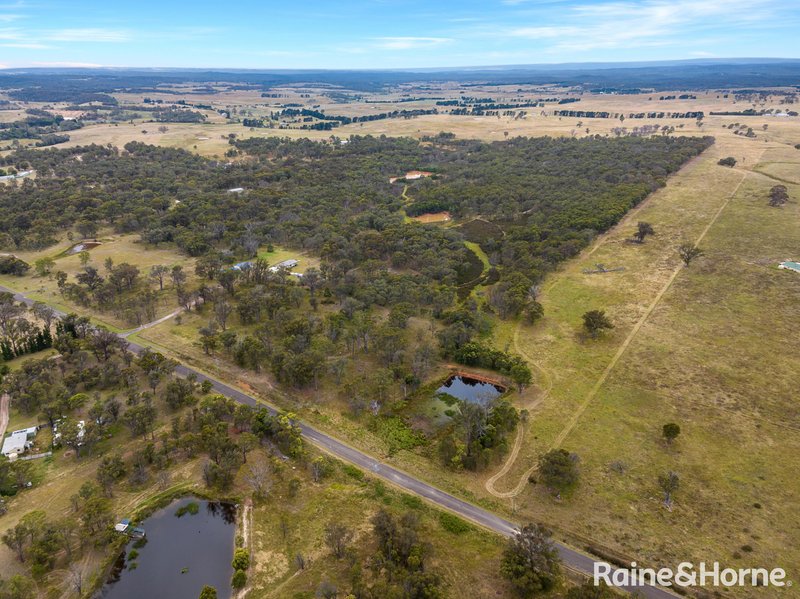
{"points": [[482, 356], [11, 265], [331, 121], [24, 331], [492, 103], [179, 116], [41, 125], [36, 339], [34, 94], [427, 207], [600, 114], [582, 187], [465, 108]]}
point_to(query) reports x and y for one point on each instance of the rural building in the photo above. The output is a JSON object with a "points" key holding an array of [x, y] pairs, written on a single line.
{"points": [[789, 265], [286, 264], [14, 445], [18, 175], [236, 190], [242, 266], [122, 525], [18, 442], [30, 432]]}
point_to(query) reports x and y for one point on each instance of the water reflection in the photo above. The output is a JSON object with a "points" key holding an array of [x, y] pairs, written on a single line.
{"points": [[470, 389], [179, 555]]}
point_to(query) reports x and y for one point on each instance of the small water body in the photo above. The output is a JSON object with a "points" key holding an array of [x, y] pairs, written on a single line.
{"points": [[79, 247], [471, 390], [181, 555]]}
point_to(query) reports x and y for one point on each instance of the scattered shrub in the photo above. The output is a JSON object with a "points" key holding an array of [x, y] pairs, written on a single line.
{"points": [[190, 508], [397, 434], [239, 579], [241, 559]]}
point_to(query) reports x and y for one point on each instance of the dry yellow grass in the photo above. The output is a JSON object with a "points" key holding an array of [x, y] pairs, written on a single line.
{"points": [[437, 217], [717, 354], [120, 248]]}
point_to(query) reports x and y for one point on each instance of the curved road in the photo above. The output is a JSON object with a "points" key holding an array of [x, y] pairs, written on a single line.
{"points": [[571, 558]]}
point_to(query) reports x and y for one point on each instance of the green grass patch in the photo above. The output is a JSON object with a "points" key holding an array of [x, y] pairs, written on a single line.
{"points": [[397, 434], [453, 524], [412, 502], [353, 472]]}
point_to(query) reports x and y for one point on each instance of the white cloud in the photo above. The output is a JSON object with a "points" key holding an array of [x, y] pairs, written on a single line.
{"points": [[10, 34], [531, 2], [88, 34], [75, 65], [25, 45], [410, 43], [630, 24]]}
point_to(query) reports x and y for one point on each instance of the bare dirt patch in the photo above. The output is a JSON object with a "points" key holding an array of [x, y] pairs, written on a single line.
{"points": [[435, 217]]}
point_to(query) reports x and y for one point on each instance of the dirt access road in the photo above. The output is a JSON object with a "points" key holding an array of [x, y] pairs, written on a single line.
{"points": [[4, 401]]}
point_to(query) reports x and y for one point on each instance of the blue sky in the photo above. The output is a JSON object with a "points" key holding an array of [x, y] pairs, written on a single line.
{"points": [[389, 33]]}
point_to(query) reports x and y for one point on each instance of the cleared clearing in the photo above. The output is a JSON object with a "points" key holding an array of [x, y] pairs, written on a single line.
{"points": [[689, 346], [435, 217]]}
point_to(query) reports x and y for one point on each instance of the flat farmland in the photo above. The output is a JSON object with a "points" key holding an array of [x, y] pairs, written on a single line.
{"points": [[711, 347], [211, 138]]}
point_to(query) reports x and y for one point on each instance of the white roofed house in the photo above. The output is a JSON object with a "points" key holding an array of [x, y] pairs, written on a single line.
{"points": [[286, 265], [14, 445], [18, 442], [30, 432]]}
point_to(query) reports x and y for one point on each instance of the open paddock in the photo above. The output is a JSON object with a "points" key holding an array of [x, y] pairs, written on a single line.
{"points": [[435, 217]]}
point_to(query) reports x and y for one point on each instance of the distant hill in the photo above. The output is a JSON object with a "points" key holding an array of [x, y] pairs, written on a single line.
{"points": [[52, 84]]}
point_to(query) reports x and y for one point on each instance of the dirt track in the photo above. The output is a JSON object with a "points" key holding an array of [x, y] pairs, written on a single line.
{"points": [[4, 401]]}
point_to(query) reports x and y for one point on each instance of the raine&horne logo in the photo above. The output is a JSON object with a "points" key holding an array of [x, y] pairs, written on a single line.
{"points": [[688, 575]]}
